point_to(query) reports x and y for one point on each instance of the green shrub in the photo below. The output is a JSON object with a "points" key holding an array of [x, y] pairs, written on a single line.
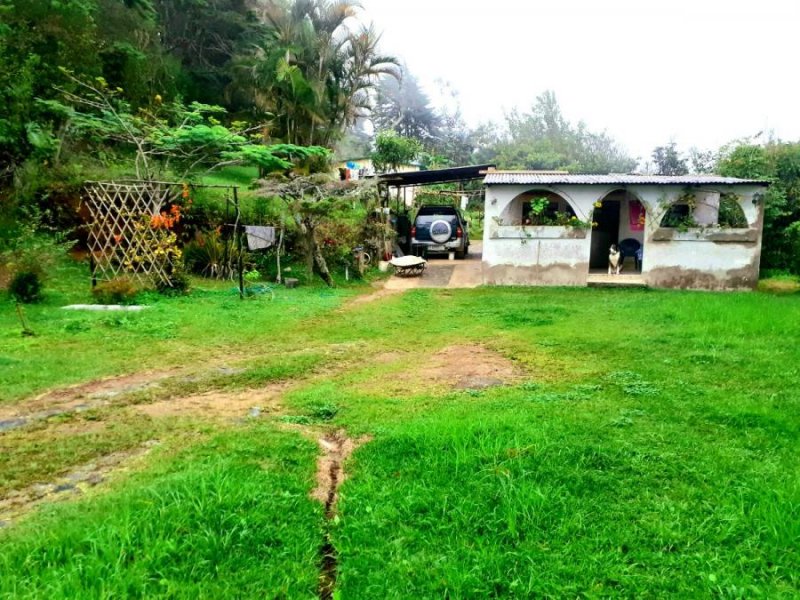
{"points": [[205, 255], [26, 286], [324, 412], [178, 283], [117, 291], [793, 238]]}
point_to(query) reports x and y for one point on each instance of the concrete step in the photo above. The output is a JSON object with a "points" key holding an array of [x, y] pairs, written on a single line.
{"points": [[622, 280]]}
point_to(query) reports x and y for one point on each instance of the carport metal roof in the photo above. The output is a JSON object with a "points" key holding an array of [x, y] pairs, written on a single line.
{"points": [[414, 178]]}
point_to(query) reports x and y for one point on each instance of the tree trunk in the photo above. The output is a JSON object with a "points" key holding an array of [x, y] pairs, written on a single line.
{"points": [[322, 266], [315, 257], [278, 255], [309, 243]]}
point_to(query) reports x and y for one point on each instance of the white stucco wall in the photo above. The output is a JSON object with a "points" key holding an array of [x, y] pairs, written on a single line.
{"points": [[706, 258]]}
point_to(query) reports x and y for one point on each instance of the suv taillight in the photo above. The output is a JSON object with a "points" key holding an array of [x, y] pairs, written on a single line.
{"points": [[459, 232], [414, 232]]}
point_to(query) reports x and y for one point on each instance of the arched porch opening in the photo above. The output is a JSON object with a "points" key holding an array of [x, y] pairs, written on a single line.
{"points": [[538, 207], [703, 208], [618, 219]]}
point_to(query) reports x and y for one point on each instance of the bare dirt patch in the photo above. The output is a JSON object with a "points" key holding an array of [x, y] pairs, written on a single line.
{"points": [[380, 294], [219, 405], [469, 366], [387, 358], [97, 394], [75, 483]]}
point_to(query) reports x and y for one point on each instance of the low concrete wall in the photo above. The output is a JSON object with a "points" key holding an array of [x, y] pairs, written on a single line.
{"points": [[543, 261]]}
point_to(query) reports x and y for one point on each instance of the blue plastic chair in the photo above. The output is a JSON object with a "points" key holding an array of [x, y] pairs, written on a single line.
{"points": [[632, 247]]}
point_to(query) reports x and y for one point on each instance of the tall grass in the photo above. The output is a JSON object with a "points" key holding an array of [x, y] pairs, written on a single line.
{"points": [[230, 518]]}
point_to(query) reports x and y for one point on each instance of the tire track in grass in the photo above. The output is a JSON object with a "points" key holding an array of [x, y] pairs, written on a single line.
{"points": [[18, 503], [164, 385]]}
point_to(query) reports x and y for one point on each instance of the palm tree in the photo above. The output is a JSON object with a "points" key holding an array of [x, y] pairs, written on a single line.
{"points": [[313, 70]]}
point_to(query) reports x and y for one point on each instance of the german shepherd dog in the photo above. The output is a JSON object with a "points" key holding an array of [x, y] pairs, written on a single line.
{"points": [[614, 260]]}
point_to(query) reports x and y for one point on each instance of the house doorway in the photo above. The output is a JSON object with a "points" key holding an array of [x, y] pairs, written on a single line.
{"points": [[620, 220], [605, 233]]}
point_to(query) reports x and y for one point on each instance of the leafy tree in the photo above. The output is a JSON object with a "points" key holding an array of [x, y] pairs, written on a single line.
{"points": [[703, 161], [313, 70], [746, 160], [456, 142], [393, 150], [64, 34], [132, 54], [356, 143], [402, 106], [542, 139], [205, 37], [779, 163], [311, 200], [668, 160], [172, 137]]}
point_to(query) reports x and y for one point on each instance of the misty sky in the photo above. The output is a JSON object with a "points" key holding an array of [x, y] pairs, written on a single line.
{"points": [[699, 72]]}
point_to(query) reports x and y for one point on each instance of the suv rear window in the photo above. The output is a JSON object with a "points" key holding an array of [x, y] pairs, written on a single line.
{"points": [[436, 210], [427, 219]]}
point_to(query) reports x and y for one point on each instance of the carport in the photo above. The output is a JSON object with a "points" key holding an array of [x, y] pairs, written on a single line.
{"points": [[401, 182]]}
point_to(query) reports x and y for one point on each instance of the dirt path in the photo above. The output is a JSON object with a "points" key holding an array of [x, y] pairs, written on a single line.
{"points": [[232, 407], [215, 405], [96, 394], [228, 406]]}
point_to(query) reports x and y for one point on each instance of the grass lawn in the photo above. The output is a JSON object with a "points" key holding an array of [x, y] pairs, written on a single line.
{"points": [[212, 324], [646, 446], [229, 517]]}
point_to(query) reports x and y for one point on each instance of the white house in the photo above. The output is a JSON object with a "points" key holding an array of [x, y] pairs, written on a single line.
{"points": [[555, 228], [361, 168]]}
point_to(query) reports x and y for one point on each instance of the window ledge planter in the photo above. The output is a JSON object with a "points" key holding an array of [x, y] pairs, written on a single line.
{"points": [[536, 232], [706, 234]]}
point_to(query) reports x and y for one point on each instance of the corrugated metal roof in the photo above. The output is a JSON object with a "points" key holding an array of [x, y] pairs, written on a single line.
{"points": [[545, 178]]}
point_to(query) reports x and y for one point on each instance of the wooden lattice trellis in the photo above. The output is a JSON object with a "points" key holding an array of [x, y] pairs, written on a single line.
{"points": [[120, 240]]}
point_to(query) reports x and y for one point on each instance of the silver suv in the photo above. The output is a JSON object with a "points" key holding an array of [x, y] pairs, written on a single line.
{"points": [[439, 229]]}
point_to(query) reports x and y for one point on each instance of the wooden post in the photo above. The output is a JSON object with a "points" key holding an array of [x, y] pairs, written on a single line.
{"points": [[226, 263], [93, 268], [278, 254], [238, 235]]}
